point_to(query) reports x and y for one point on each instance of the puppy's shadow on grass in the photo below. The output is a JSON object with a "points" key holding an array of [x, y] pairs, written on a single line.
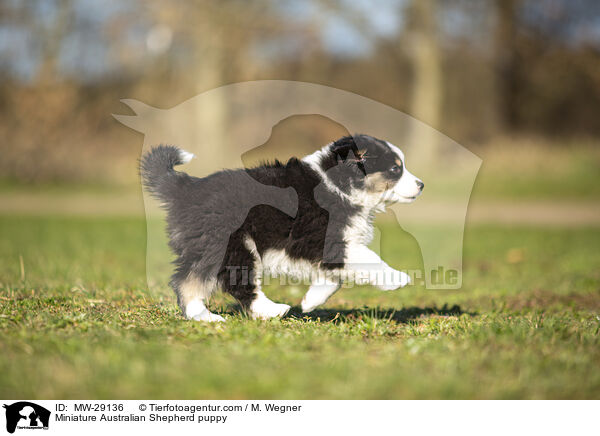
{"points": [[401, 316]]}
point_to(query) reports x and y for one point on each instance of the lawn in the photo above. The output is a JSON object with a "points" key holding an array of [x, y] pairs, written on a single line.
{"points": [[76, 321]]}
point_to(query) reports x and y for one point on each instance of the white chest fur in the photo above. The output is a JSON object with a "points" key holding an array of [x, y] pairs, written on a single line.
{"points": [[360, 228]]}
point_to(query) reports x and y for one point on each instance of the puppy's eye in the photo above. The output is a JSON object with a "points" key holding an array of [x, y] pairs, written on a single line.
{"points": [[395, 169]]}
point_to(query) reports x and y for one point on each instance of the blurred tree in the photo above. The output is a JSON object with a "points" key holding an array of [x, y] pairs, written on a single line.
{"points": [[51, 43], [426, 99], [508, 62]]}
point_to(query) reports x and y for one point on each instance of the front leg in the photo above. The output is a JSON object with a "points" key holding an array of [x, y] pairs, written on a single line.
{"points": [[366, 267], [318, 293]]}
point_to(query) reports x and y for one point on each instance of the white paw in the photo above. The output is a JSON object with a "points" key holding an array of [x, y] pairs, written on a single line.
{"points": [[197, 311], [312, 299], [309, 306], [318, 293], [263, 308], [269, 311], [393, 280], [207, 316]]}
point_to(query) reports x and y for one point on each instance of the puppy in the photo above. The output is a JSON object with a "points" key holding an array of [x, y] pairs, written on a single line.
{"points": [[230, 228]]}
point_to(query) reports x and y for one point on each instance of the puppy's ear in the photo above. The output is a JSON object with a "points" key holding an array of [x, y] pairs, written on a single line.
{"points": [[342, 148], [348, 153]]}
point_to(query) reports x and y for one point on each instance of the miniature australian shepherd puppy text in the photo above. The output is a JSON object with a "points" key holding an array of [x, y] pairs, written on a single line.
{"points": [[309, 218]]}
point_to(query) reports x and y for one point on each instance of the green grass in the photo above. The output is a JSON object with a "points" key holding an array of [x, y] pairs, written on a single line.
{"points": [[76, 321], [538, 172]]}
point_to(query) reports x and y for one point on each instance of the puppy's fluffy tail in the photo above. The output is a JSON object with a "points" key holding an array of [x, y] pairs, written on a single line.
{"points": [[156, 169]]}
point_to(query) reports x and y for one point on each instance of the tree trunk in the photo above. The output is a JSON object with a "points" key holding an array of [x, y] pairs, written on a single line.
{"points": [[426, 98], [507, 63]]}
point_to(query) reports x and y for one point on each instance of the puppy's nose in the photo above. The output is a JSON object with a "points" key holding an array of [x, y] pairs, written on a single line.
{"points": [[420, 184]]}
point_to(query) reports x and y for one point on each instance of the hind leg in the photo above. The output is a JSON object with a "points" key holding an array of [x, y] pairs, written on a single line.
{"points": [[197, 310], [192, 295], [242, 278], [263, 308]]}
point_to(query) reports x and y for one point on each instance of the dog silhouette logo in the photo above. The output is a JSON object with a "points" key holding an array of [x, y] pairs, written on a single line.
{"points": [[26, 415], [223, 124]]}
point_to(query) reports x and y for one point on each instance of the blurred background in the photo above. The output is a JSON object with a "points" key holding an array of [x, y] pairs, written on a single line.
{"points": [[515, 81]]}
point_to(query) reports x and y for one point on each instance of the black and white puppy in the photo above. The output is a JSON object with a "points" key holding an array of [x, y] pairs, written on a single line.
{"points": [[227, 231]]}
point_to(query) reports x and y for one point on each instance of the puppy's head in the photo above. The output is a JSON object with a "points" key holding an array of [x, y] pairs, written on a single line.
{"points": [[369, 170]]}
